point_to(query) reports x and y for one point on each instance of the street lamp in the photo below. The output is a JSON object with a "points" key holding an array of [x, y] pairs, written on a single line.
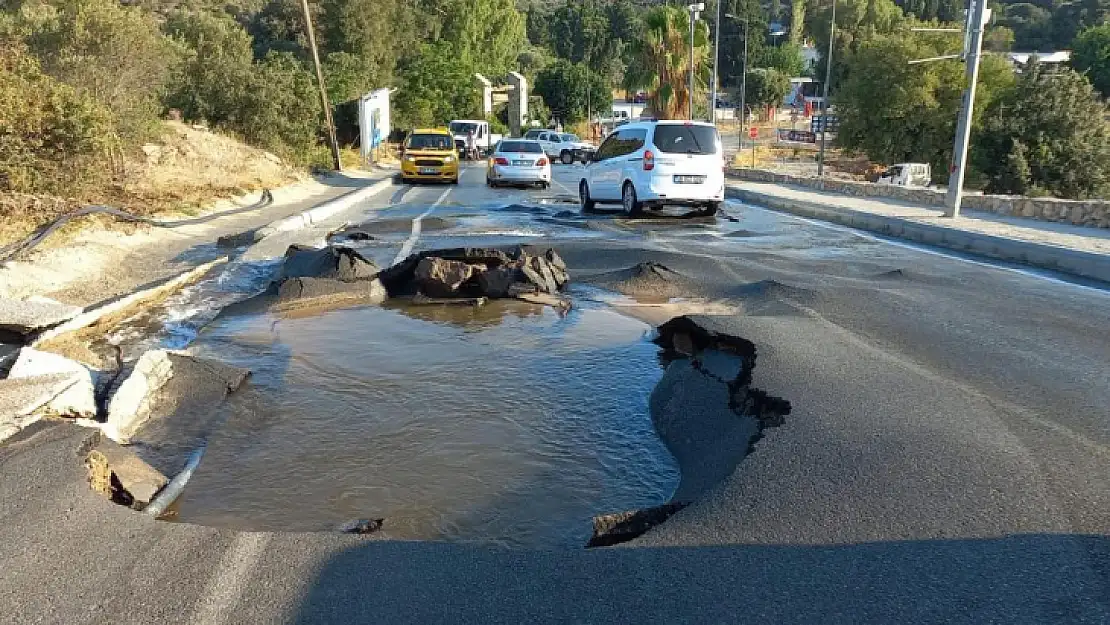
{"points": [[825, 98], [694, 10], [743, 82], [716, 58]]}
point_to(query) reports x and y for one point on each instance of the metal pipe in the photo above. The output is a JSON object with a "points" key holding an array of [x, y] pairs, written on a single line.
{"points": [[172, 491]]}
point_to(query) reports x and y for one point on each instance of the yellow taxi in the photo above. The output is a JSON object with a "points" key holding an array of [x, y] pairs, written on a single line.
{"points": [[430, 155]]}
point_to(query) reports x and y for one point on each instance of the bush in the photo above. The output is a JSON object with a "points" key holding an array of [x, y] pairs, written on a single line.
{"points": [[113, 53], [214, 77], [52, 137], [766, 87], [281, 111], [1047, 134], [435, 87]]}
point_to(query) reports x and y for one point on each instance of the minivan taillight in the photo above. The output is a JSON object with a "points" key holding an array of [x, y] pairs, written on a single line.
{"points": [[649, 160]]}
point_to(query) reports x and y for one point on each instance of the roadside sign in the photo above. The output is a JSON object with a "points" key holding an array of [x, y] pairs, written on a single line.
{"points": [[753, 132]]}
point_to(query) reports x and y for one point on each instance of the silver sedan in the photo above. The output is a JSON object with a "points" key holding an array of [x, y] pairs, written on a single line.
{"points": [[518, 162]]}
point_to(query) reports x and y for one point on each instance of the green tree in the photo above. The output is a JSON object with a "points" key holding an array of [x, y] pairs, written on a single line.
{"points": [[1048, 134], [484, 34], [797, 21], [857, 22], [998, 39], [568, 89], [1091, 56], [280, 110], [663, 58], [379, 32], [787, 59], [732, 38], [215, 75], [52, 136], [766, 86], [115, 54], [434, 88], [895, 112]]}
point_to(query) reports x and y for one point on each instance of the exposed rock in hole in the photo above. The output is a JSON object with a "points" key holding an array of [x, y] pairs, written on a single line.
{"points": [[334, 262], [362, 526], [613, 529], [477, 272], [121, 476]]}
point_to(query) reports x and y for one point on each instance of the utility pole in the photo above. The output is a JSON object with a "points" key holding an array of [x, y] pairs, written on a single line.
{"points": [[977, 18], [743, 91], [716, 57], [825, 98], [323, 90], [694, 9]]}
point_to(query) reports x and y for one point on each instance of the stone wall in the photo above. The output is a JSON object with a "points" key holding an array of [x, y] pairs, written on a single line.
{"points": [[1094, 213]]}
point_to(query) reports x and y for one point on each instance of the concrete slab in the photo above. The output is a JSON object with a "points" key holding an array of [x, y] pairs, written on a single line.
{"points": [[20, 319], [76, 399]]}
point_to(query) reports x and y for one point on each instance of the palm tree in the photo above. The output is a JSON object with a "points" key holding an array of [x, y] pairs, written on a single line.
{"points": [[661, 61]]}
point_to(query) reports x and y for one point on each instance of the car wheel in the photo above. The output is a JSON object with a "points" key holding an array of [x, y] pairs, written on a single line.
{"points": [[712, 208], [566, 157], [631, 204], [584, 196], [455, 180]]}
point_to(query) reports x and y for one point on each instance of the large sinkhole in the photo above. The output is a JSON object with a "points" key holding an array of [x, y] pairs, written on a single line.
{"points": [[508, 423]]}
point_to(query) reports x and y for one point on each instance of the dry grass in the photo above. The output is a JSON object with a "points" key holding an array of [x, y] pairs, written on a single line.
{"points": [[181, 174]]}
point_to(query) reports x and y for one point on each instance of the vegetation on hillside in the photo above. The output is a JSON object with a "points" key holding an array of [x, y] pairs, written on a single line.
{"points": [[85, 82]]}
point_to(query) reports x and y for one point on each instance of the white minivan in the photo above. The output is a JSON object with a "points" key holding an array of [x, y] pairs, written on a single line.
{"points": [[652, 163]]}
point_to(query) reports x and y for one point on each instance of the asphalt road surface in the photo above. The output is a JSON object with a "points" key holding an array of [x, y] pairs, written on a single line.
{"points": [[947, 459]]}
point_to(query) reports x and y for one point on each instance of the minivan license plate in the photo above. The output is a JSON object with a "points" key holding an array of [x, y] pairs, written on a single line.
{"points": [[689, 179]]}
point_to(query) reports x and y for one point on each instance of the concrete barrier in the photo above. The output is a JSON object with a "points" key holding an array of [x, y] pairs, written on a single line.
{"points": [[1094, 213], [322, 211], [1074, 262]]}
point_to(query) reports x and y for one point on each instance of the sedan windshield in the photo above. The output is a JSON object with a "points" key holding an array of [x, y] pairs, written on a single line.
{"points": [[521, 147], [429, 142]]}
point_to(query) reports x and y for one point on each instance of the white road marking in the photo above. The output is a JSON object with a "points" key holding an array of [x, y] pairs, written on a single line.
{"points": [[406, 249], [925, 249], [224, 588], [564, 187]]}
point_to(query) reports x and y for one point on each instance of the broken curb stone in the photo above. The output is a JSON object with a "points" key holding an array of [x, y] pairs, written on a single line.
{"points": [[161, 383], [76, 396]]}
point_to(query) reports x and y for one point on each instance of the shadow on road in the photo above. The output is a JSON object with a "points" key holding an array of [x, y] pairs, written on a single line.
{"points": [[1036, 579]]}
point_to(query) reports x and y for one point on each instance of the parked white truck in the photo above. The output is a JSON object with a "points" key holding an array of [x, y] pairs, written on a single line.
{"points": [[484, 140]]}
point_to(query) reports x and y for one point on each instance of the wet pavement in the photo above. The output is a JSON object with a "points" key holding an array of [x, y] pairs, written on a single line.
{"points": [[944, 461]]}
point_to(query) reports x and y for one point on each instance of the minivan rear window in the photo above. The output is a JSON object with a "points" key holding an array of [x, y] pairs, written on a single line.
{"points": [[524, 147], [683, 139]]}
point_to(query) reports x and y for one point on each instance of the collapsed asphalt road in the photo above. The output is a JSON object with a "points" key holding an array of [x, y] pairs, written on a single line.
{"points": [[945, 458]]}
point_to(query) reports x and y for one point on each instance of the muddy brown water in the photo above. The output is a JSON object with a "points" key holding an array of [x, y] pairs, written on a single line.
{"points": [[505, 424]]}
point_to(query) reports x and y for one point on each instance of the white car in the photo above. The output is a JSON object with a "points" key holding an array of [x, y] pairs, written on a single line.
{"points": [[565, 146], [518, 162], [653, 163]]}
